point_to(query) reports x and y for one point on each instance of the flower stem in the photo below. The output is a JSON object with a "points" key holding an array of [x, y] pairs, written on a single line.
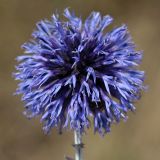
{"points": [[78, 145]]}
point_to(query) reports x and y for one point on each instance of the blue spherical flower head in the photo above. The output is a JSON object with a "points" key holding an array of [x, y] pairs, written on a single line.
{"points": [[72, 71]]}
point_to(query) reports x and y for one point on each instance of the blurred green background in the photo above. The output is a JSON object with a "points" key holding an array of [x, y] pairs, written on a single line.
{"points": [[138, 139]]}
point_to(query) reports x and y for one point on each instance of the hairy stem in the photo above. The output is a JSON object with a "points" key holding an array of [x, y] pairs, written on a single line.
{"points": [[78, 145]]}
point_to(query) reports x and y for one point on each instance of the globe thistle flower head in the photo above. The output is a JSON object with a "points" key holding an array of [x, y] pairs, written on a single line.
{"points": [[72, 71]]}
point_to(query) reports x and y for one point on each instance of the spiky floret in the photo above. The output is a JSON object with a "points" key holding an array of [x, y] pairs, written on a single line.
{"points": [[72, 71]]}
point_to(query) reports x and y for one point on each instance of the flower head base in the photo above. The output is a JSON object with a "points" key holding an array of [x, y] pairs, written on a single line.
{"points": [[73, 71]]}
